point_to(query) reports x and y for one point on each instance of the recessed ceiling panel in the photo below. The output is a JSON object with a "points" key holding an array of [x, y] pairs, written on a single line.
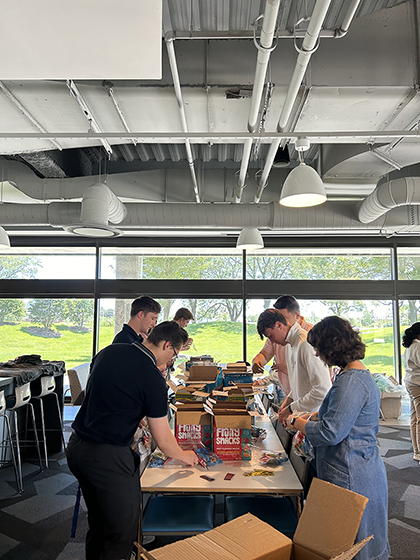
{"points": [[80, 39]]}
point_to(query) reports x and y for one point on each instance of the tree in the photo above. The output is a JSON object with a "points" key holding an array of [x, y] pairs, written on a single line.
{"points": [[45, 311], [79, 311], [19, 267], [11, 310]]}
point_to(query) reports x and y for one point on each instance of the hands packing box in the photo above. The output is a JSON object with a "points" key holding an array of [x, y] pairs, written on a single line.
{"points": [[232, 432], [192, 426], [326, 531]]}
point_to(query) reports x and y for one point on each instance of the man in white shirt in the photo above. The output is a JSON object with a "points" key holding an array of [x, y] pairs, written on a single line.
{"points": [[289, 308], [309, 377]]}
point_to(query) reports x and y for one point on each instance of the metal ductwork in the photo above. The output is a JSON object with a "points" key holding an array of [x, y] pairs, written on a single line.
{"points": [[391, 194], [335, 217]]}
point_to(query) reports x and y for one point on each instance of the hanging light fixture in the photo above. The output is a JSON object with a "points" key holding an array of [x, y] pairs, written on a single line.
{"points": [[4, 239], [250, 238], [303, 186]]}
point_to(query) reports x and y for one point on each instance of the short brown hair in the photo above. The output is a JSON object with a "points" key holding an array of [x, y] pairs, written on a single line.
{"points": [[183, 313], [145, 304], [336, 342], [287, 302], [268, 319], [168, 331]]}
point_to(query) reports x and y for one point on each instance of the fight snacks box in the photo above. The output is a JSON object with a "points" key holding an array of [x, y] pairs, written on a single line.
{"points": [[232, 433], [192, 425]]}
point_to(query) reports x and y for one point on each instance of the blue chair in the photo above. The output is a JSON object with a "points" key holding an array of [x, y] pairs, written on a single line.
{"points": [[281, 512], [178, 515]]}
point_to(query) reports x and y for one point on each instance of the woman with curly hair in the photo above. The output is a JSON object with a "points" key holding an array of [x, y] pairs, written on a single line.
{"points": [[411, 341], [344, 434]]}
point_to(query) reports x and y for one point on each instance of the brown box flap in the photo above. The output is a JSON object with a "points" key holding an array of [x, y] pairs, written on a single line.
{"points": [[330, 519], [203, 373], [232, 419]]}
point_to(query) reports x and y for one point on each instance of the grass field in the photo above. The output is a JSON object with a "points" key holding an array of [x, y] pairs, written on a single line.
{"points": [[222, 340]]}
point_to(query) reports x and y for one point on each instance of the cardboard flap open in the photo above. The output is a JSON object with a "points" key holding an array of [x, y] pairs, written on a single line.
{"points": [[232, 419], [330, 519], [352, 551]]}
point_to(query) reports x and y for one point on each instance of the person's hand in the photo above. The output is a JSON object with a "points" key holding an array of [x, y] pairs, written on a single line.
{"points": [[143, 423], [257, 368], [189, 458], [288, 422], [276, 368], [284, 414], [257, 383]]}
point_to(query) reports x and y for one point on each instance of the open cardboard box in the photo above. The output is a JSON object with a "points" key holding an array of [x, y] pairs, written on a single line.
{"points": [[193, 425], [326, 530], [203, 373]]}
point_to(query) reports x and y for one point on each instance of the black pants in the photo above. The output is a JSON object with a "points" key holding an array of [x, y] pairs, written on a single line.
{"points": [[110, 481]]}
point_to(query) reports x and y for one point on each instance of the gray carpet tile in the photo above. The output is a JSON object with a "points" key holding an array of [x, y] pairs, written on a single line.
{"points": [[40, 507], [6, 543], [411, 498]]}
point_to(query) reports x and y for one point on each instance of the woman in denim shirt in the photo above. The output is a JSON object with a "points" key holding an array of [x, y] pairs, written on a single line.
{"points": [[344, 434]]}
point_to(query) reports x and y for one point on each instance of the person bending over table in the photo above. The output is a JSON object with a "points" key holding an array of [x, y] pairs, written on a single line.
{"points": [[344, 436], [125, 385], [289, 308], [309, 377]]}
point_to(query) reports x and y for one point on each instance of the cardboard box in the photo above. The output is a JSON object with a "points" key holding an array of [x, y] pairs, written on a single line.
{"points": [[391, 405], [192, 425], [198, 360], [326, 531], [233, 376], [232, 433], [241, 392], [203, 373]]}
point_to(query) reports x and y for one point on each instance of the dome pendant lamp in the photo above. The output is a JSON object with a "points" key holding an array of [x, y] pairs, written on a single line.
{"points": [[303, 186], [250, 239]]}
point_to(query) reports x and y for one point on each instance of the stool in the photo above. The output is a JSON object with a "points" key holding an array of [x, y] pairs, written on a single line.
{"points": [[9, 439], [40, 388], [22, 397]]}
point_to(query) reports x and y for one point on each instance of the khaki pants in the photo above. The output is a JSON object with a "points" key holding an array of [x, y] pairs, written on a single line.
{"points": [[414, 394]]}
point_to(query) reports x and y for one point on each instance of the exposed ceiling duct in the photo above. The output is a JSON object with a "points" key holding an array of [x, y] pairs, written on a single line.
{"points": [[399, 192]]}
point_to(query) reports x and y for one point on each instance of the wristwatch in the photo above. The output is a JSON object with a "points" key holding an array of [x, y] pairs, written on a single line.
{"points": [[293, 420]]}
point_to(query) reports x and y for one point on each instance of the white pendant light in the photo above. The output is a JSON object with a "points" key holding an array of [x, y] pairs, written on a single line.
{"points": [[303, 186], [4, 239], [250, 238]]}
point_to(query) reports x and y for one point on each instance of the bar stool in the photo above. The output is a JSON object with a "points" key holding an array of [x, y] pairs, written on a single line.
{"points": [[21, 398], [41, 388], [8, 440]]}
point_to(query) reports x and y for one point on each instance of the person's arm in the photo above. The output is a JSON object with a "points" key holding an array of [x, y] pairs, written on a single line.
{"points": [[285, 409], [318, 379], [166, 441]]}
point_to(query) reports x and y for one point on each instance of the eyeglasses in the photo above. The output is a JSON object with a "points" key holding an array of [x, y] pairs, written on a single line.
{"points": [[175, 352]]}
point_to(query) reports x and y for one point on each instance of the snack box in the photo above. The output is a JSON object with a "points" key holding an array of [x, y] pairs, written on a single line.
{"points": [[241, 392], [234, 376], [232, 432], [203, 373], [198, 360], [192, 425], [326, 531]]}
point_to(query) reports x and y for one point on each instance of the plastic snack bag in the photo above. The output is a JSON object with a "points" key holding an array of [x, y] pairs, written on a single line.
{"points": [[272, 458], [207, 458], [301, 446], [157, 458], [258, 434]]}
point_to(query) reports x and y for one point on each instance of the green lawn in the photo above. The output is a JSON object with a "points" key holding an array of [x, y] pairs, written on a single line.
{"points": [[222, 340]]}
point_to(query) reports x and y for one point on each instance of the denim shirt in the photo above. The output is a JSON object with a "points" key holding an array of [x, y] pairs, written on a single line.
{"points": [[347, 452]]}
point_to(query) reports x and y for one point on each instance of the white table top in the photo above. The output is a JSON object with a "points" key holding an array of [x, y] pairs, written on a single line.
{"points": [[179, 479]]}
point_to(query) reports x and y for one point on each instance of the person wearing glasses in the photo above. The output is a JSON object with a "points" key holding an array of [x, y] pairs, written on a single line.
{"points": [[124, 386]]}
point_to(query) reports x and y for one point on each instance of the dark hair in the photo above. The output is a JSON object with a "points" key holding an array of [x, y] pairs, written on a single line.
{"points": [[289, 303], [336, 342], [170, 331], [268, 320], [183, 313], [145, 304], [410, 334]]}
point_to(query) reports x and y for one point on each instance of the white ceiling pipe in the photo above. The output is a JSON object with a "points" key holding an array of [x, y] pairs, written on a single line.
{"points": [[169, 40], [331, 216], [389, 195], [100, 205], [263, 58], [348, 18]]}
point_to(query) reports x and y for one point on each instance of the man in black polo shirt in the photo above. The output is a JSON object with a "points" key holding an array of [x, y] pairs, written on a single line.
{"points": [[125, 384], [143, 316]]}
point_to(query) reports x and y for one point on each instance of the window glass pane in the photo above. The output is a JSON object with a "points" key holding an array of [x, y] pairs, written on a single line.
{"points": [[372, 318], [184, 264], [319, 264], [52, 263], [55, 329], [409, 263], [216, 330]]}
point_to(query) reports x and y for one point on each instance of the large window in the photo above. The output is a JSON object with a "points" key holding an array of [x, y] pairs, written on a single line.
{"points": [[319, 264], [55, 329], [181, 264]]}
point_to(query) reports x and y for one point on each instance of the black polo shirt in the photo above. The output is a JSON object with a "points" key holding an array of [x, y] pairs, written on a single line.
{"points": [[127, 335], [124, 386]]}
